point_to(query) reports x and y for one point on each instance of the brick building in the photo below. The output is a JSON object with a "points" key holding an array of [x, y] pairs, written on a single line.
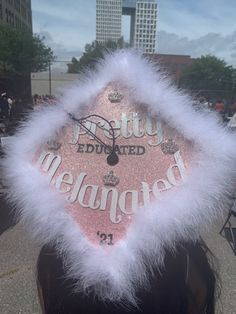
{"points": [[172, 65]]}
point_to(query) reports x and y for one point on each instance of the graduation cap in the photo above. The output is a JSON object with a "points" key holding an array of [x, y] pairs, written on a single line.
{"points": [[120, 169]]}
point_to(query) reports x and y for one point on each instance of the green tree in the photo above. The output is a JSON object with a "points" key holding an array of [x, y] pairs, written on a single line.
{"points": [[22, 53], [74, 66], [210, 75], [92, 53]]}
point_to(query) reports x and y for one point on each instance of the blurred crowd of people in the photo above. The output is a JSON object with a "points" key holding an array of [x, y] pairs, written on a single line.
{"points": [[13, 109], [40, 100], [11, 106], [226, 110]]}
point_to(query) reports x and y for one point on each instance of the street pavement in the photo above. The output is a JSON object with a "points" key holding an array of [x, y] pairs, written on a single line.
{"points": [[226, 267], [18, 256]]}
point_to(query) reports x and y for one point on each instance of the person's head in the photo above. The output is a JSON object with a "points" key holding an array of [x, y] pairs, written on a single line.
{"points": [[233, 106], [185, 284], [219, 106], [202, 100]]}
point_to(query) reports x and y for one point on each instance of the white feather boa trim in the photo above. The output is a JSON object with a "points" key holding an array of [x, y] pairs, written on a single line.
{"points": [[116, 276]]}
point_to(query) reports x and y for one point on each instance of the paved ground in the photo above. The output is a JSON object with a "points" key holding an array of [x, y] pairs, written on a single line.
{"points": [[17, 272], [226, 267]]}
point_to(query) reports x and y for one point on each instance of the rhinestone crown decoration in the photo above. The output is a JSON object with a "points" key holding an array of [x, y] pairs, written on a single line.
{"points": [[169, 147], [115, 96], [110, 179], [53, 145]]}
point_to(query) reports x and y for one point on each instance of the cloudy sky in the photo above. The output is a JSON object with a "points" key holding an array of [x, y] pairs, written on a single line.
{"points": [[193, 27]]}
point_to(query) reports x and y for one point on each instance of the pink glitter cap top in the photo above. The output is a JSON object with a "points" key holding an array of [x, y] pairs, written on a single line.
{"points": [[154, 161]]}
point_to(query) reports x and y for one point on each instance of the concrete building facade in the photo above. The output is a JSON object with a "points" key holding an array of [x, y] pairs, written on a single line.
{"points": [[145, 26], [143, 22], [108, 20], [16, 13]]}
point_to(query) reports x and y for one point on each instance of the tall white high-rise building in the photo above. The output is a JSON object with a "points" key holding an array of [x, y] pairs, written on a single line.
{"points": [[108, 20], [143, 22], [145, 26]]}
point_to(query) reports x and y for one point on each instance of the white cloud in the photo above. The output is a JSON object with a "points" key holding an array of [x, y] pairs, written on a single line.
{"points": [[66, 14], [64, 55], [67, 11], [212, 43], [70, 23], [193, 18]]}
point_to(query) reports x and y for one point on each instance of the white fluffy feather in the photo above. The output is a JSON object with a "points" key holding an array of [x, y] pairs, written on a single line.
{"points": [[115, 276]]}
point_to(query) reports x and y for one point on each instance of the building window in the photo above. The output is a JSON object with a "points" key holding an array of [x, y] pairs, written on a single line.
{"points": [[0, 10], [6, 15]]}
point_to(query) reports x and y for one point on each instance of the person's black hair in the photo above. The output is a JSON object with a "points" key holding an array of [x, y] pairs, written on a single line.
{"points": [[184, 285]]}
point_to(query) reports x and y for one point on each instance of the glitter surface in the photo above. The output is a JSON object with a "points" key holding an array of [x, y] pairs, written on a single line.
{"points": [[104, 212]]}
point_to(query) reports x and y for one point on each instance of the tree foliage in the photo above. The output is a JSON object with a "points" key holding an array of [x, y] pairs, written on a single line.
{"points": [[22, 53], [92, 53], [209, 73]]}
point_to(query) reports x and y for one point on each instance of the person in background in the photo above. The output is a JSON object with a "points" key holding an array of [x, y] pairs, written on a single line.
{"points": [[10, 102], [232, 109], [4, 106], [231, 116], [219, 106]]}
